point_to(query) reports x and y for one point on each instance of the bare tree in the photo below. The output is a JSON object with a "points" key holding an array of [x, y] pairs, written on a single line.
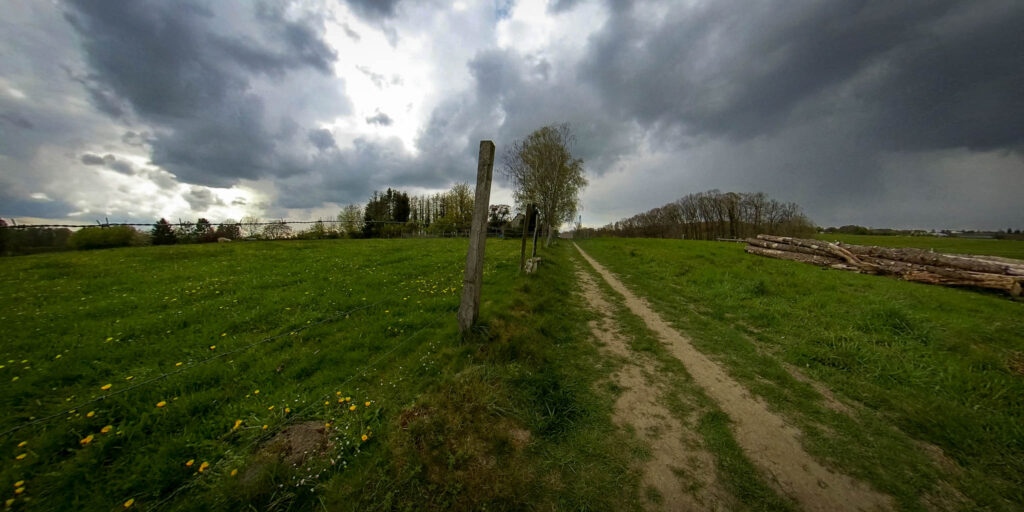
{"points": [[544, 172], [250, 226]]}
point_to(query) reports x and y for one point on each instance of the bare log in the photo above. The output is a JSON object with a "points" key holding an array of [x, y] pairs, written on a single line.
{"points": [[821, 261], [809, 252], [827, 247], [923, 257], [786, 247]]}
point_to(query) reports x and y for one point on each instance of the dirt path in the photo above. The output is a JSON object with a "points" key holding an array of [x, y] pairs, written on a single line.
{"points": [[770, 443], [680, 470]]}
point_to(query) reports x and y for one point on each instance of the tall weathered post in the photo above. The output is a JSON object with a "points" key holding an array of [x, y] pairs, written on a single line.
{"points": [[536, 227], [469, 308], [526, 229]]}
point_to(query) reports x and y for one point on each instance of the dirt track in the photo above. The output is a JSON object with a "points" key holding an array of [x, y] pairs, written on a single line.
{"points": [[771, 444]]}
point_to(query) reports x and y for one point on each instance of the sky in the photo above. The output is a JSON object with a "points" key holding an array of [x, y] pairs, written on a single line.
{"points": [[902, 114]]}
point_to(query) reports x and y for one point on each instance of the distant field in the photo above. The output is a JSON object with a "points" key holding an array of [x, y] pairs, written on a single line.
{"points": [[212, 435], [991, 247], [930, 379]]}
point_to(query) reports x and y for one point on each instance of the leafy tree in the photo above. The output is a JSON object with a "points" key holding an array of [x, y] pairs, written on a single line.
{"points": [[162, 234], [498, 214], [543, 171], [203, 231], [229, 229], [350, 220]]}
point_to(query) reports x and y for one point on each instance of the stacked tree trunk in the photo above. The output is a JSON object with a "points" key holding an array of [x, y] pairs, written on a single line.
{"points": [[916, 265]]}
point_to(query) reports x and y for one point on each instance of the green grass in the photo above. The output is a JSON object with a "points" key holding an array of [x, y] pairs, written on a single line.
{"points": [[506, 418], [913, 362], [989, 247]]}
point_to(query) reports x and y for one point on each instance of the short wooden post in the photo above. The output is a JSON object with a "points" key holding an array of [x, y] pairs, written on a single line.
{"points": [[469, 308]]}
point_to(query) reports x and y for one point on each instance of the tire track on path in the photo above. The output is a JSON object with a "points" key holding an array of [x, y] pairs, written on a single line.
{"points": [[772, 445]]}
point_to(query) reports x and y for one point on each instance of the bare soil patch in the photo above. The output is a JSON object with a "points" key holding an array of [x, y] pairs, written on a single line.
{"points": [[680, 469], [772, 444]]}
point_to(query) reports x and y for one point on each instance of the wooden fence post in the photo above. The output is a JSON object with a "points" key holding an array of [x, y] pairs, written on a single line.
{"points": [[469, 308], [526, 228], [536, 228]]}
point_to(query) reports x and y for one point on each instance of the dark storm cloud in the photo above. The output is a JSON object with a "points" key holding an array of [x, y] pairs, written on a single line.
{"points": [[380, 119], [921, 74], [809, 100], [374, 9], [192, 73], [91, 159], [322, 139], [13, 206], [200, 199], [16, 120]]}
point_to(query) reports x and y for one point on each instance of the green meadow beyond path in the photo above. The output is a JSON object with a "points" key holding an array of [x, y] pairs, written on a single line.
{"points": [[771, 444]]}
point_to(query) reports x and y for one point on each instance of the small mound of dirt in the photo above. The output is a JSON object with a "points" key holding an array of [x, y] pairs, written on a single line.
{"points": [[297, 443]]}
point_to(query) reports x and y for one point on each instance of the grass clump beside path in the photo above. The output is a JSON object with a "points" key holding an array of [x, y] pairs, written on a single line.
{"points": [[365, 397], [927, 381]]}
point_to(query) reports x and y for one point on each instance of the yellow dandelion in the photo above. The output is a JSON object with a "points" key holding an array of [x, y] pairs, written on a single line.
{"points": [[161, 403], [338, 393], [237, 424], [106, 387], [326, 402], [287, 410], [110, 339], [256, 392], [22, 444], [19, 490], [271, 408], [365, 437], [129, 503], [341, 400], [234, 472], [86, 440], [106, 429], [19, 483], [213, 347], [264, 427], [327, 425], [9, 502], [130, 377], [352, 408], [90, 414], [189, 463], [348, 399], [203, 466], [178, 363], [21, 456], [367, 404], [223, 334]]}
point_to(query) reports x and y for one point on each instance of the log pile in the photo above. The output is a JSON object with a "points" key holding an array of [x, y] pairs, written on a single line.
{"points": [[916, 265]]}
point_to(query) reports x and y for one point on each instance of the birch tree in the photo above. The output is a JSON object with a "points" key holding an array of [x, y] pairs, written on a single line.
{"points": [[543, 171]]}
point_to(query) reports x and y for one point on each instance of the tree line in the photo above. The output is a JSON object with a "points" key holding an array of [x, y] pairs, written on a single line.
{"points": [[713, 214]]}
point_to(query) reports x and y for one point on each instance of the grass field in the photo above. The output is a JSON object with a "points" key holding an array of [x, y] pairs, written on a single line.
{"points": [[127, 371], [990, 247], [931, 378], [511, 415]]}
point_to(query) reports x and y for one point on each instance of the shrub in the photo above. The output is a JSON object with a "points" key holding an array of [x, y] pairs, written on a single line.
{"points": [[105, 237]]}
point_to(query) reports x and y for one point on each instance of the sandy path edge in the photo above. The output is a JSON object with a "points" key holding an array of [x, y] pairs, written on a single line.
{"points": [[772, 445]]}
